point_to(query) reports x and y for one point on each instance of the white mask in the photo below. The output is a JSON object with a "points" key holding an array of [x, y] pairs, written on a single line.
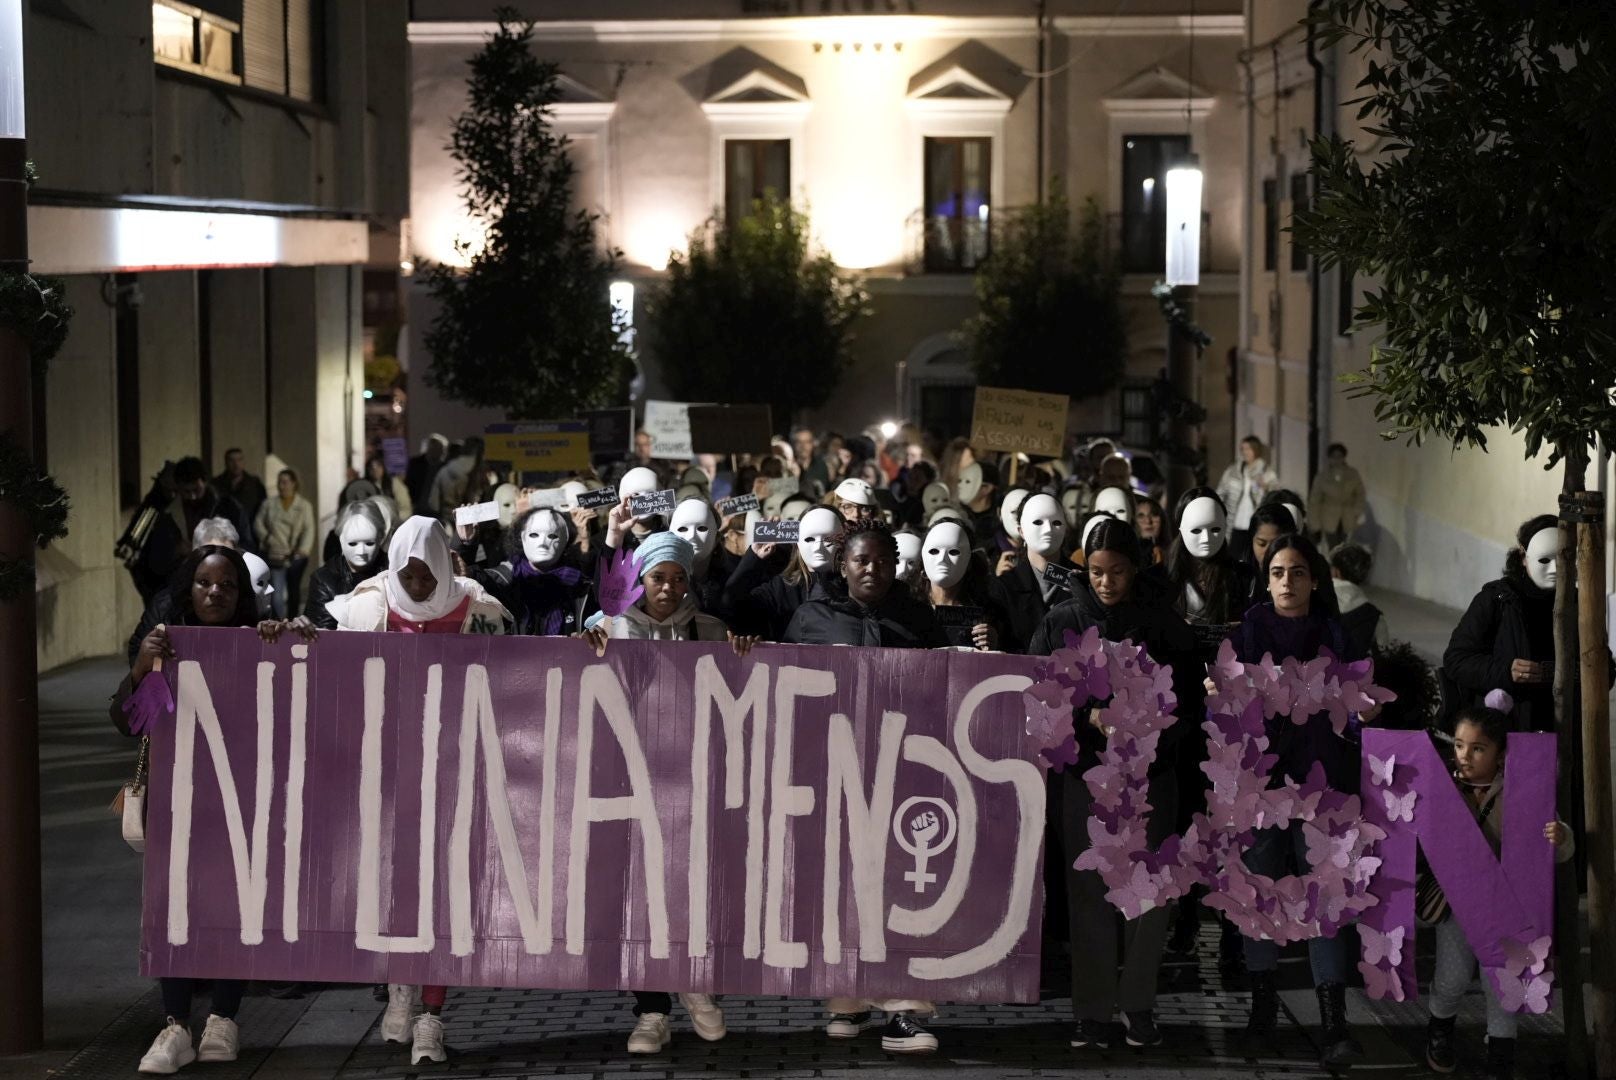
{"points": [[1202, 528], [970, 482], [693, 520], [1541, 555], [570, 492], [935, 497], [1071, 502], [637, 481], [1113, 501], [505, 496], [792, 509], [258, 571], [1042, 525], [816, 538], [359, 542], [1010, 511], [908, 556], [544, 539], [947, 555]]}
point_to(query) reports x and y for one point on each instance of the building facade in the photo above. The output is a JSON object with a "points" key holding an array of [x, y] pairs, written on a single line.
{"points": [[214, 178], [903, 128], [1440, 520]]}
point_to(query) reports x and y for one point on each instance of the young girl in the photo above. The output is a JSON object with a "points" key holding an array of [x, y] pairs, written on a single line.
{"points": [[1479, 736], [420, 594]]}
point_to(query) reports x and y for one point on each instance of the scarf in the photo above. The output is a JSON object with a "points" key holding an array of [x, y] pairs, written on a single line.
{"points": [[424, 539], [546, 596]]}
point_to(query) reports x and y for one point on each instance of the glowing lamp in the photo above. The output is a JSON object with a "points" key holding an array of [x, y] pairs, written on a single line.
{"points": [[11, 98], [1184, 222]]}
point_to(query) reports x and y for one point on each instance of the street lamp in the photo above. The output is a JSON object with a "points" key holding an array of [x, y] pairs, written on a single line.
{"points": [[1184, 222]]}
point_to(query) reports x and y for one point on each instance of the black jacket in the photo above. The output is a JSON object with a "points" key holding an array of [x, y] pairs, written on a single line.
{"points": [[1145, 619], [831, 617], [336, 578], [1023, 597], [169, 544], [1510, 619], [758, 600]]}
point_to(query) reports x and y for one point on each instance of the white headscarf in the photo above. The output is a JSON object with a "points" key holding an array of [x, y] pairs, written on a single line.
{"points": [[422, 538]]}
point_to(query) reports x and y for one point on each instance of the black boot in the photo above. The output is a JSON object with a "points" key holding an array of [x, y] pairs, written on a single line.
{"points": [[1439, 1045], [1500, 1059], [1340, 1049], [1264, 1018], [1231, 949]]}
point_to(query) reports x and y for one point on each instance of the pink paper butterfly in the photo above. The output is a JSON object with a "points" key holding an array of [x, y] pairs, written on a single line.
{"points": [[1399, 808], [1381, 771], [1522, 995], [1380, 983], [1378, 947], [1521, 959]]}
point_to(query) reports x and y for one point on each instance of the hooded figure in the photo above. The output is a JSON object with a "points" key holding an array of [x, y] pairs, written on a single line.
{"points": [[430, 598]]}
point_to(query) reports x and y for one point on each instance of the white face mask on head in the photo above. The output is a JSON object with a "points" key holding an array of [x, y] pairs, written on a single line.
{"points": [[1541, 558], [544, 539], [1071, 502], [258, 571], [1010, 513], [359, 542], [1298, 515], [505, 496], [908, 556], [816, 538], [947, 555], [1202, 527], [1113, 501], [935, 497], [1042, 525], [693, 520]]}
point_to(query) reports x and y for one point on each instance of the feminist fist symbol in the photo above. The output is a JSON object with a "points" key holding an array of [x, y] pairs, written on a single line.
{"points": [[923, 829]]}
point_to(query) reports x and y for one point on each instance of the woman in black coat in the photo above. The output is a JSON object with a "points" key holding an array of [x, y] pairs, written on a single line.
{"points": [[1124, 606], [361, 554]]}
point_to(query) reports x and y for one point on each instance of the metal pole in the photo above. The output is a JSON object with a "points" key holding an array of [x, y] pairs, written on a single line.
{"points": [[22, 1010]]}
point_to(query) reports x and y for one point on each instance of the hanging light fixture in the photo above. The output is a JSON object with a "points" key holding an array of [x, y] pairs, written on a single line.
{"points": [[1184, 196]]}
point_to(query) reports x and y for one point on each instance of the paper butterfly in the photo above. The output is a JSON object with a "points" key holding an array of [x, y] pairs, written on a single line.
{"points": [[1520, 959], [1381, 770], [1381, 983], [1379, 946], [1399, 807], [1522, 995]]}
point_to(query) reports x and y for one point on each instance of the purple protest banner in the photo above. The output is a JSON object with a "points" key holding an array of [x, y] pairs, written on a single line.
{"points": [[490, 811], [1504, 903]]}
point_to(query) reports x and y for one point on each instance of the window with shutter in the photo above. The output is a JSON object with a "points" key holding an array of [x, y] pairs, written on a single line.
{"points": [[302, 49], [263, 44]]}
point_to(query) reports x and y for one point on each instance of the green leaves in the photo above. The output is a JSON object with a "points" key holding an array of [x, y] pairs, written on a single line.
{"points": [[1484, 210], [527, 326], [753, 314], [1051, 316]]}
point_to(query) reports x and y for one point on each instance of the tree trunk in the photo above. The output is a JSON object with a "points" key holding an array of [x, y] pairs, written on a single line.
{"points": [[1567, 920]]}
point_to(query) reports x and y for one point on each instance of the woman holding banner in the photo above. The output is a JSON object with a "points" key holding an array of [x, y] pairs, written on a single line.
{"points": [[420, 594], [211, 588], [1124, 605]]}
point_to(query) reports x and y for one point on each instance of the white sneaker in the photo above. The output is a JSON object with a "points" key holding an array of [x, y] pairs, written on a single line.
{"points": [[650, 1034], [221, 1040], [428, 1044], [705, 1016], [170, 1051], [400, 1008]]}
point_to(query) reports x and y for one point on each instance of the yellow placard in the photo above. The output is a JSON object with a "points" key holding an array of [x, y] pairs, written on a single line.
{"points": [[1019, 421], [557, 447]]}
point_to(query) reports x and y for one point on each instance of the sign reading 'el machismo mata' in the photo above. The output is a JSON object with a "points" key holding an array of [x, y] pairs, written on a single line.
{"points": [[486, 811]]}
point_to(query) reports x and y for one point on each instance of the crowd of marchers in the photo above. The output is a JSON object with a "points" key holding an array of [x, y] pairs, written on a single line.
{"points": [[899, 542]]}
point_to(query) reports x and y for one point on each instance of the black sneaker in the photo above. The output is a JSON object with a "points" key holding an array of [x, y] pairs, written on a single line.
{"points": [[1439, 1053], [1140, 1029], [903, 1036], [846, 1025], [1092, 1033]]}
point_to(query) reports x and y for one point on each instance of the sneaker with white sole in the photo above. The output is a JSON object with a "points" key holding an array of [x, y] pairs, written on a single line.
{"points": [[650, 1034], [427, 1043], [705, 1016], [401, 1002], [903, 1036], [846, 1025], [170, 1052], [221, 1040]]}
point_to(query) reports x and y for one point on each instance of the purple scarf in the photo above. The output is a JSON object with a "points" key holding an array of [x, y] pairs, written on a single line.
{"points": [[546, 597]]}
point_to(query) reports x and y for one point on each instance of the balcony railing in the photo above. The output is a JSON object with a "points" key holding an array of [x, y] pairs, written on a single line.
{"points": [[939, 245]]}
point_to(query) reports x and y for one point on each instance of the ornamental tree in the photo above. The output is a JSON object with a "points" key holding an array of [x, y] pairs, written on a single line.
{"points": [[754, 313], [1483, 214], [1051, 315], [527, 325]]}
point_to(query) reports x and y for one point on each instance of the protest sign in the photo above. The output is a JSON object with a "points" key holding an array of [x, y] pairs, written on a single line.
{"points": [[611, 431], [594, 500], [1019, 421], [649, 503], [739, 504], [1059, 576], [477, 513], [775, 532], [513, 811], [730, 429], [396, 457], [958, 621], [559, 446], [668, 423]]}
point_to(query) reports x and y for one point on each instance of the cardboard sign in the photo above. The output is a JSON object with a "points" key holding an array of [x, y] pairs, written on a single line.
{"points": [[477, 513], [781, 486], [730, 429], [650, 503], [594, 500], [959, 621], [611, 431], [739, 504], [544, 498], [776, 532], [559, 446], [513, 811], [668, 423], [1059, 576], [1019, 421]]}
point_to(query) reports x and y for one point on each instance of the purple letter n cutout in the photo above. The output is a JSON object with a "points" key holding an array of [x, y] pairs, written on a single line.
{"points": [[1504, 905]]}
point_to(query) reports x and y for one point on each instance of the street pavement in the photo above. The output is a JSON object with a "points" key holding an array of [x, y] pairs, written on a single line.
{"points": [[100, 1014]]}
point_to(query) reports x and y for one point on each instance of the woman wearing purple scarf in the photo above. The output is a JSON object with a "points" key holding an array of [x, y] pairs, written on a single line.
{"points": [[543, 594]]}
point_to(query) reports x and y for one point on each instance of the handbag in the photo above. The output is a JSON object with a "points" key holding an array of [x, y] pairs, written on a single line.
{"points": [[130, 803]]}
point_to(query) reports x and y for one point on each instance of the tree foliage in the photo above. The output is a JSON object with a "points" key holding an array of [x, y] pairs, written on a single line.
{"points": [[1051, 304], [528, 325], [754, 314], [1484, 211]]}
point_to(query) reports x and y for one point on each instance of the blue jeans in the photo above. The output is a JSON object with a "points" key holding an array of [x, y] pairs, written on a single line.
{"points": [[1275, 853], [287, 599]]}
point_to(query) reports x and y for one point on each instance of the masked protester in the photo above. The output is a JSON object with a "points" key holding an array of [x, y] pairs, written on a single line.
{"points": [[760, 601], [1029, 591], [957, 577], [361, 555]]}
